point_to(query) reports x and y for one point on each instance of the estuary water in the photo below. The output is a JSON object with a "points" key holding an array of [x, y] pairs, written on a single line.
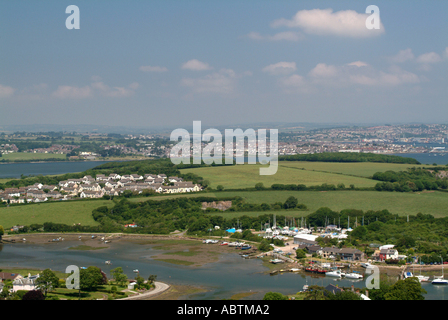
{"points": [[427, 158], [230, 275], [15, 170]]}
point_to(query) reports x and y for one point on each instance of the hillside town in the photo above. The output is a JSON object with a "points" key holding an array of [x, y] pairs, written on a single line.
{"points": [[95, 188], [387, 139]]}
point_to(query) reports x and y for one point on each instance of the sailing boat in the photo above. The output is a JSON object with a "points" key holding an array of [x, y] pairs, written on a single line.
{"points": [[420, 277], [305, 287], [440, 279]]}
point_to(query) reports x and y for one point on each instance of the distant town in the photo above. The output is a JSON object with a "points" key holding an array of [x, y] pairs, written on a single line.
{"points": [[72, 146]]}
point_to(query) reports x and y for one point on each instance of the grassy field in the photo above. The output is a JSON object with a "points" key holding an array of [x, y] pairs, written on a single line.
{"points": [[65, 212], [360, 169], [246, 176], [32, 156], [435, 203]]}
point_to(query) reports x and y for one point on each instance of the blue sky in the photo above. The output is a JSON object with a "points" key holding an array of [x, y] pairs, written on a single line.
{"points": [[167, 62]]}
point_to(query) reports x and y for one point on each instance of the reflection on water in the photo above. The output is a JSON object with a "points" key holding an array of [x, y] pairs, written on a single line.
{"points": [[230, 275]]}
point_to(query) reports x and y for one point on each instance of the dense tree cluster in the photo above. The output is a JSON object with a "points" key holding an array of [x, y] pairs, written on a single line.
{"points": [[348, 157], [411, 180]]}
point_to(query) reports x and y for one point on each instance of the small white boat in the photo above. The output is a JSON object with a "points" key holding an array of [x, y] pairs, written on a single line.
{"points": [[439, 280], [408, 274], [275, 261], [136, 271], [335, 274], [353, 275], [365, 265], [422, 278]]}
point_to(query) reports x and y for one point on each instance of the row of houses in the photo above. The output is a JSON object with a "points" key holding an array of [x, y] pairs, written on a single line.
{"points": [[88, 187]]}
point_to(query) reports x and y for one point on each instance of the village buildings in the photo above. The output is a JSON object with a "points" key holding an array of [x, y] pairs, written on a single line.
{"points": [[94, 188]]}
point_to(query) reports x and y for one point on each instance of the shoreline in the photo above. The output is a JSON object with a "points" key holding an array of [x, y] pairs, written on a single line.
{"points": [[196, 254]]}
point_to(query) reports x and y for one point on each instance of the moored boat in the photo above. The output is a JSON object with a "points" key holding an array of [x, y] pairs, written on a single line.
{"points": [[335, 274], [353, 275], [440, 279]]}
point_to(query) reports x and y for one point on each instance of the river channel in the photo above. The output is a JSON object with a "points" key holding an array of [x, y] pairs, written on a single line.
{"points": [[222, 279]]}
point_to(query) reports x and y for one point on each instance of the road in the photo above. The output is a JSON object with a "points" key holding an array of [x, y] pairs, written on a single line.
{"points": [[160, 288]]}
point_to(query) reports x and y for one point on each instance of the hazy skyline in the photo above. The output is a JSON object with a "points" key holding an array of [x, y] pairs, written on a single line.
{"points": [[157, 63]]}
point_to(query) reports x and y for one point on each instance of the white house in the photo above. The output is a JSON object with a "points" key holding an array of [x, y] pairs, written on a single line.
{"points": [[27, 284]]}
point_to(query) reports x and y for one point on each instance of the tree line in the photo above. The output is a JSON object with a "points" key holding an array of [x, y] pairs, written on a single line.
{"points": [[348, 157]]}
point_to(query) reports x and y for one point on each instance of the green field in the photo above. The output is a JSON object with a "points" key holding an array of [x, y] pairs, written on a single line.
{"points": [[32, 156], [435, 203], [65, 212], [246, 176], [360, 169]]}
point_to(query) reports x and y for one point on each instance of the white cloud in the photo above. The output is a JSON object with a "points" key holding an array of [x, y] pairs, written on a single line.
{"points": [[196, 65], [69, 92], [425, 59], [295, 84], [394, 77], [348, 75], [255, 36], [153, 69], [6, 91], [223, 82], [403, 56], [358, 64], [281, 68], [115, 92], [347, 23], [323, 71], [430, 57], [281, 36], [294, 81]]}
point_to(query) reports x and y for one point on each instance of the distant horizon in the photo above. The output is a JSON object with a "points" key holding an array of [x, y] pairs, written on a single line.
{"points": [[166, 129]]}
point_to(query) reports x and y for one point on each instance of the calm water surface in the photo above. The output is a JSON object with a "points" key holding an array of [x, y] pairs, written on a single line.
{"points": [[14, 170], [229, 276]]}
